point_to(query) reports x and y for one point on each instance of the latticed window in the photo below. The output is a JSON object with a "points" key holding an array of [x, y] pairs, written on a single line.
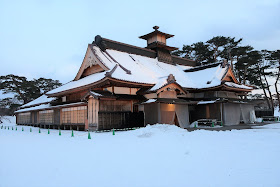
{"points": [[24, 118], [46, 117], [74, 115]]}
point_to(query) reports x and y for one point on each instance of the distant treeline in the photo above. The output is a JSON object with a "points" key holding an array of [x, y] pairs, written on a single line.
{"points": [[250, 66], [23, 91]]}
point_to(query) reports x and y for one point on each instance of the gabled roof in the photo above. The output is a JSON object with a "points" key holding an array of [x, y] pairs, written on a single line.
{"points": [[90, 59], [142, 70]]}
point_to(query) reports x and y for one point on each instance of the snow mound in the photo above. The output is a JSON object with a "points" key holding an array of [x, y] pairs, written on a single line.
{"points": [[276, 111], [269, 126], [8, 120], [159, 129]]}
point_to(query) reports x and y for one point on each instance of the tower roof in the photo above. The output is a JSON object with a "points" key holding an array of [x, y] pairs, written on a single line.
{"points": [[156, 31]]}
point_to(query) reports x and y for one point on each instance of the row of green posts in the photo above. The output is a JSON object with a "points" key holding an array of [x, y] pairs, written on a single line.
{"points": [[72, 134], [59, 132]]}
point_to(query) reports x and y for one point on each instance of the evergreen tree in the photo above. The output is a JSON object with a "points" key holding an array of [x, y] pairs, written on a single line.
{"points": [[275, 58], [221, 46], [24, 89]]}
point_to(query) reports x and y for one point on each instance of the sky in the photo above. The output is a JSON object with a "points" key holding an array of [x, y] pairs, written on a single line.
{"points": [[49, 38]]}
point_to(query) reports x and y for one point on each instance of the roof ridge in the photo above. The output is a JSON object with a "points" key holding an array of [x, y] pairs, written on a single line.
{"points": [[197, 68]]}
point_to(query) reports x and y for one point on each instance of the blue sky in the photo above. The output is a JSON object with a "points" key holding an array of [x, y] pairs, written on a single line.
{"points": [[49, 38]]}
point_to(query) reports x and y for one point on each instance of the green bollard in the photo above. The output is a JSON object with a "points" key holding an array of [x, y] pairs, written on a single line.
{"points": [[39, 130], [12, 128], [262, 120], [2, 127], [59, 133], [89, 135], [221, 123], [72, 135], [113, 131], [48, 131], [8, 128], [212, 124], [30, 129], [16, 128], [22, 129]]}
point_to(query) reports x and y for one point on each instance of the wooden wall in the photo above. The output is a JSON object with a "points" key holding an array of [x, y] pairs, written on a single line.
{"points": [[91, 70], [118, 114], [75, 96], [123, 90], [24, 118], [152, 113], [57, 116], [115, 106], [93, 108], [74, 115], [46, 117]]}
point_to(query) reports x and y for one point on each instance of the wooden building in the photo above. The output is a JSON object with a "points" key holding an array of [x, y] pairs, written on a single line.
{"points": [[120, 85]]}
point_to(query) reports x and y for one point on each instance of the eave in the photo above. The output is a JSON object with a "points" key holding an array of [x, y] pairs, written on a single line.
{"points": [[109, 81], [146, 36], [218, 88]]}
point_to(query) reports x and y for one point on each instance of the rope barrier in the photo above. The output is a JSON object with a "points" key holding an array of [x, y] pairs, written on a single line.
{"points": [[72, 132]]}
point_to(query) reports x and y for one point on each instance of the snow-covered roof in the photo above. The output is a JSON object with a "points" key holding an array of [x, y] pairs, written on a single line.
{"points": [[42, 106], [40, 100], [231, 84], [149, 71], [96, 94], [150, 101], [48, 106], [206, 102], [79, 83]]}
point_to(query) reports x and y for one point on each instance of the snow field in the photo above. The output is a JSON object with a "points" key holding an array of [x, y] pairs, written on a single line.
{"points": [[158, 155]]}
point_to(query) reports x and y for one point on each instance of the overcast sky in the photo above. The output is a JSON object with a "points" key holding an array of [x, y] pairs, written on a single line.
{"points": [[49, 38]]}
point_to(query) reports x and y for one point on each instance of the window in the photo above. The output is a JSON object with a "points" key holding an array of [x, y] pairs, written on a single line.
{"points": [[46, 117], [64, 99], [74, 115], [24, 118]]}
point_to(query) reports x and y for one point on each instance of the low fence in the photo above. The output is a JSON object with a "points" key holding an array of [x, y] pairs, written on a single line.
{"points": [[261, 113], [120, 120], [60, 132]]}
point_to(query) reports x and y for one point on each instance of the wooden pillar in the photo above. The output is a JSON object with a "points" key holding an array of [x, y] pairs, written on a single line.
{"points": [[159, 113], [86, 124], [221, 108], [207, 111]]}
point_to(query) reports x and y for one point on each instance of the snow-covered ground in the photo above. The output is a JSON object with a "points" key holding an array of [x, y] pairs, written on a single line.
{"points": [[159, 155], [8, 120]]}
